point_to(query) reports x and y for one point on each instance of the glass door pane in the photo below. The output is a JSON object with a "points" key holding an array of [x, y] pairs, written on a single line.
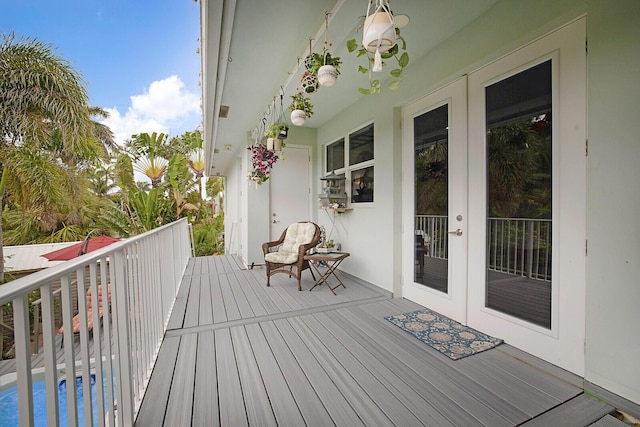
{"points": [[431, 143], [519, 178]]}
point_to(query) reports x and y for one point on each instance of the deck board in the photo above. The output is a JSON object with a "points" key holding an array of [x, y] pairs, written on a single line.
{"points": [[258, 355]]}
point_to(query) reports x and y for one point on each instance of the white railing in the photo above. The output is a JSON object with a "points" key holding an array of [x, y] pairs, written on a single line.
{"points": [[518, 246], [144, 273], [434, 230]]}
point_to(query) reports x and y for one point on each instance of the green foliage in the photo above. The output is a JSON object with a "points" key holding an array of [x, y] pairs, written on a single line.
{"points": [[402, 60], [208, 236], [324, 58], [273, 131], [301, 102]]}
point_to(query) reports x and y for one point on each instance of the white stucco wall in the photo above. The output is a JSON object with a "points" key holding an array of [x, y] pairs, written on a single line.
{"points": [[613, 178]]}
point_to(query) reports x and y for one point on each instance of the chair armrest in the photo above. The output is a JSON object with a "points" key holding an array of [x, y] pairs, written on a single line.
{"points": [[269, 247]]}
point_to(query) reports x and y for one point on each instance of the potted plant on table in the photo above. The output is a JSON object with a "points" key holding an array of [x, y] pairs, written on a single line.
{"points": [[301, 109]]}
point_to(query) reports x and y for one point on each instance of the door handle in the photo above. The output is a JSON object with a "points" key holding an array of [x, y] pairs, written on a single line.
{"points": [[275, 221], [457, 232]]}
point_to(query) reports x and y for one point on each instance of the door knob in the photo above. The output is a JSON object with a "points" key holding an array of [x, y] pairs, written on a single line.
{"points": [[457, 232]]}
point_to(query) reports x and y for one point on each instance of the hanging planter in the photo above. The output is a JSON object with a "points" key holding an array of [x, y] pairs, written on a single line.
{"points": [[381, 41], [273, 133], [309, 82], [379, 31], [324, 65], [327, 68], [301, 108]]}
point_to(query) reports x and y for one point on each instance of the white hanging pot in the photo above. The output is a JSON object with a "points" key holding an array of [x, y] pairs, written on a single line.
{"points": [[327, 75], [271, 143], [298, 117], [379, 28]]}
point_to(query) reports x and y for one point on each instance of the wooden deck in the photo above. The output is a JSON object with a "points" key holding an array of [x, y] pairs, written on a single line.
{"points": [[240, 353]]}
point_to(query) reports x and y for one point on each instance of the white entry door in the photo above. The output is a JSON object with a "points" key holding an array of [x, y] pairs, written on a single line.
{"points": [[435, 204], [290, 195], [527, 197]]}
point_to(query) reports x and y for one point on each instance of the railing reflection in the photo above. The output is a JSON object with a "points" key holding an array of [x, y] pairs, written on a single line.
{"points": [[517, 246]]}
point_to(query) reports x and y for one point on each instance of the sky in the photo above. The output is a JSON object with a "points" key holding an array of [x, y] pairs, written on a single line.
{"points": [[138, 58]]}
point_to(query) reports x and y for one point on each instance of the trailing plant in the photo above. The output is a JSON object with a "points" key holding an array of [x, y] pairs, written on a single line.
{"points": [[394, 53], [301, 102], [262, 160]]}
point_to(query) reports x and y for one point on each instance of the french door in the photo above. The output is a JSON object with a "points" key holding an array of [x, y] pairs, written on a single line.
{"points": [[435, 205], [494, 223]]}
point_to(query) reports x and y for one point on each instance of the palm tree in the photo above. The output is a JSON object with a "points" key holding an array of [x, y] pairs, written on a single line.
{"points": [[41, 98], [146, 151]]}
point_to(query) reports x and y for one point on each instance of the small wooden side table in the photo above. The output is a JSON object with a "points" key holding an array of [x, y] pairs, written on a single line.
{"points": [[333, 260]]}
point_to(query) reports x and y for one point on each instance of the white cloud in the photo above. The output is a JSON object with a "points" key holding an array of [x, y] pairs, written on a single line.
{"points": [[166, 107]]}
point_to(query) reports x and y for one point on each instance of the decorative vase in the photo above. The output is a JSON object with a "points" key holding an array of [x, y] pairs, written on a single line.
{"points": [[379, 26], [298, 117], [271, 144], [327, 75]]}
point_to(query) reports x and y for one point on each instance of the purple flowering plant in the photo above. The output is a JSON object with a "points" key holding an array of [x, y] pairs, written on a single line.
{"points": [[262, 160]]}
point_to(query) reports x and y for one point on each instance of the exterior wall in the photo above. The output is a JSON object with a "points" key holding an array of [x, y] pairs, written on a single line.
{"points": [[371, 233], [613, 229]]}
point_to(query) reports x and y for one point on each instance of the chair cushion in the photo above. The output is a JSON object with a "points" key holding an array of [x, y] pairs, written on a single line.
{"points": [[299, 233]]}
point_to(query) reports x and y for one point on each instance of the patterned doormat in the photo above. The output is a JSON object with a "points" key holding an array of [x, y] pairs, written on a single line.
{"points": [[445, 335]]}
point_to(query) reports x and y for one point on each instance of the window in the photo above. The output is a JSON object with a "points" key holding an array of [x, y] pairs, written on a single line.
{"points": [[335, 156], [356, 150]]}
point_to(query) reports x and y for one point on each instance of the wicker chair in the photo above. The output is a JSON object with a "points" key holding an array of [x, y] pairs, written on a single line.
{"points": [[286, 255]]}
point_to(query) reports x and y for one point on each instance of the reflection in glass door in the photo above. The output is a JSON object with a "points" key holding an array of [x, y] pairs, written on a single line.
{"points": [[431, 198], [519, 184]]}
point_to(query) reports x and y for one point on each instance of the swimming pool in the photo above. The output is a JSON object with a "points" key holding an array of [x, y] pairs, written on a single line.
{"points": [[9, 403]]}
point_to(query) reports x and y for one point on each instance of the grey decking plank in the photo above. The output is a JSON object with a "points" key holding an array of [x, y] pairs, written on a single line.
{"points": [[244, 307], [364, 405], [457, 372], [250, 294], [258, 284], [193, 303], [384, 399], [205, 396], [232, 409], [326, 390], [283, 403], [301, 389], [609, 421], [414, 401], [578, 412], [176, 319], [432, 367], [154, 403], [451, 409], [256, 400], [205, 311], [188, 271], [230, 304], [217, 302], [180, 404]]}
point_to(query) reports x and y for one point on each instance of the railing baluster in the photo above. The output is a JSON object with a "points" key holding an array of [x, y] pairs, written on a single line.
{"points": [[49, 349], [69, 352], [23, 359]]}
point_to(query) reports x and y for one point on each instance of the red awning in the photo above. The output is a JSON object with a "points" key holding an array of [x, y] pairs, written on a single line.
{"points": [[73, 251]]}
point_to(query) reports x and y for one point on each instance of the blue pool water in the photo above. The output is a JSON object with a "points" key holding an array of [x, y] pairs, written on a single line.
{"points": [[9, 403]]}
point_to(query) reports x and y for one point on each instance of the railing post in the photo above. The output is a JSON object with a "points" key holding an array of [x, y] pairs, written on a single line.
{"points": [[123, 339], [23, 359], [49, 349]]}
